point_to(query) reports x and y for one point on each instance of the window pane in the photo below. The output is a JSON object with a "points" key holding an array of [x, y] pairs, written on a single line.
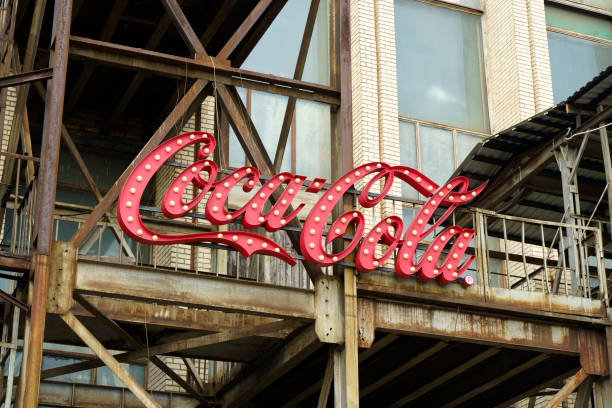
{"points": [[408, 154], [236, 155], [439, 56], [477, 4], [465, 144], [313, 139], [56, 361], [277, 51], [437, 158], [576, 21], [267, 113], [574, 62]]}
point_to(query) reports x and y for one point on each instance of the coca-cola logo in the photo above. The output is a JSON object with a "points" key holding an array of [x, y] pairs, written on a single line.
{"points": [[435, 262]]}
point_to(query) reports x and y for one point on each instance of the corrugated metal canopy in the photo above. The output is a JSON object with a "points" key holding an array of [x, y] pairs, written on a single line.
{"points": [[538, 195]]}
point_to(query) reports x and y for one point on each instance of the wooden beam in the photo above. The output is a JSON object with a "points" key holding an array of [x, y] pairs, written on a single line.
{"points": [[567, 389], [107, 33], [447, 376], [297, 349], [207, 68], [299, 70], [109, 360], [497, 380], [402, 368], [183, 109]]}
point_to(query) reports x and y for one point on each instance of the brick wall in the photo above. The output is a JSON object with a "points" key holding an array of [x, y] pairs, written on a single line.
{"points": [[516, 61]]}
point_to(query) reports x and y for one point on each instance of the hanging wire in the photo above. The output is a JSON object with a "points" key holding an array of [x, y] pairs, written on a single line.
{"points": [[567, 138]]}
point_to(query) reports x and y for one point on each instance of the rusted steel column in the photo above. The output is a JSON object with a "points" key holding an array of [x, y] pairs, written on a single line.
{"points": [[351, 359], [46, 187]]}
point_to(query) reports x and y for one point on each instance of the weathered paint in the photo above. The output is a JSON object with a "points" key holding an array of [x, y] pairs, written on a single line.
{"points": [[188, 289], [458, 324], [498, 299]]}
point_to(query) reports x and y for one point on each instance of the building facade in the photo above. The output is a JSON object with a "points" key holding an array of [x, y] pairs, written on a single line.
{"points": [[513, 93]]}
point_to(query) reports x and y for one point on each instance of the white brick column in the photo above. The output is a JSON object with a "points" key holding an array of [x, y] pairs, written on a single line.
{"points": [[516, 60]]}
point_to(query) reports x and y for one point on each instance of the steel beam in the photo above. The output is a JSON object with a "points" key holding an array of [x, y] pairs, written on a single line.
{"points": [[567, 389], [131, 311], [447, 376], [47, 181], [62, 394], [208, 68], [299, 70], [139, 76], [109, 29], [188, 289], [109, 360], [133, 342], [26, 77], [526, 165], [185, 108], [175, 346], [497, 380], [183, 27], [453, 324]]}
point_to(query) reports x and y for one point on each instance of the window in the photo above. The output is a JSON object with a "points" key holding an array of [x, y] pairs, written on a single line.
{"points": [[308, 149], [580, 47], [440, 70]]}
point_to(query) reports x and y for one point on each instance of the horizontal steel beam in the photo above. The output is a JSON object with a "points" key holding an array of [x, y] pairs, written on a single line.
{"points": [[192, 290], [130, 311], [26, 77], [535, 305], [60, 394], [463, 325], [209, 69]]}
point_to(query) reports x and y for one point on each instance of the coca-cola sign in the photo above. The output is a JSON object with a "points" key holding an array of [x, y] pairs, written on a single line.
{"points": [[435, 262]]}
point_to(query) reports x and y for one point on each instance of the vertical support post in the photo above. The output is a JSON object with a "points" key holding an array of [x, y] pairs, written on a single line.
{"points": [[339, 356], [351, 338], [564, 156], [351, 324], [46, 202]]}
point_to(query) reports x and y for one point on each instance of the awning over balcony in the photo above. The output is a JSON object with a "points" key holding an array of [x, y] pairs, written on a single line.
{"points": [[524, 178]]}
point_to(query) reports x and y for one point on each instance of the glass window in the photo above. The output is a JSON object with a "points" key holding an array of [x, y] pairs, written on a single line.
{"points": [[50, 361], [433, 150], [105, 376], [579, 22], [465, 144], [437, 157], [408, 154], [440, 67], [579, 46], [276, 53]]}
